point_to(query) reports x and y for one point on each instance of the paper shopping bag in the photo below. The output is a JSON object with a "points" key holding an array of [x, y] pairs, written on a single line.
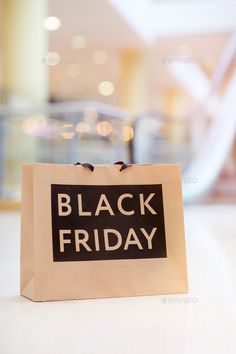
{"points": [[102, 233]]}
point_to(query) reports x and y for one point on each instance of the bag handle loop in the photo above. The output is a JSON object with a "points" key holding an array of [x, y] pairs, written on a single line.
{"points": [[91, 167], [123, 165], [86, 164]]}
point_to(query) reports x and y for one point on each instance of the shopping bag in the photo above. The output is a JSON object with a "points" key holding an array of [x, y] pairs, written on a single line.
{"points": [[101, 231]]}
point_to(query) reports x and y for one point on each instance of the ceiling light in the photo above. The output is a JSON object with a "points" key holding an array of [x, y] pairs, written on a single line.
{"points": [[52, 23], [106, 88]]}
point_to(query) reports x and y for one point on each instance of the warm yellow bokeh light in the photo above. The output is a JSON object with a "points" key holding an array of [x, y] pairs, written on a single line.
{"points": [[67, 131], [128, 133], [104, 128], [106, 88], [82, 127], [34, 125]]}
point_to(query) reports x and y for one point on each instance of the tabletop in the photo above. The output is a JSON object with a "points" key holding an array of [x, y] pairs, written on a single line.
{"points": [[202, 321]]}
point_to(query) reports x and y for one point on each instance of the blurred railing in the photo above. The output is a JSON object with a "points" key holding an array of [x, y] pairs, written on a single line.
{"points": [[90, 132], [60, 133]]}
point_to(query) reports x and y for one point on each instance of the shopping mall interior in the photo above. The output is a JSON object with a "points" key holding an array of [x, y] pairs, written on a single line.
{"points": [[145, 82], [140, 89]]}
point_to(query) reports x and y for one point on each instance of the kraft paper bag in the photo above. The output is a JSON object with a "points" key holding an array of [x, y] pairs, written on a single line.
{"points": [[103, 233]]}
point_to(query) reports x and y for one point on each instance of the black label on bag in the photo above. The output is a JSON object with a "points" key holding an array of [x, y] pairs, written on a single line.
{"points": [[107, 222]]}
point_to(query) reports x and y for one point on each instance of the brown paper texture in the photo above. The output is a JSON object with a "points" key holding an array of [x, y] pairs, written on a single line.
{"points": [[43, 279]]}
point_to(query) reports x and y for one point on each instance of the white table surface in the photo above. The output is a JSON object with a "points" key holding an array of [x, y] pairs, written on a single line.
{"points": [[203, 321]]}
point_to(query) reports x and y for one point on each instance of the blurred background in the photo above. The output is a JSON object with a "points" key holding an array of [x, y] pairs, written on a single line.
{"points": [[143, 81]]}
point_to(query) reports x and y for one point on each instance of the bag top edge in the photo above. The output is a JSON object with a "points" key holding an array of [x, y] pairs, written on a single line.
{"points": [[99, 165]]}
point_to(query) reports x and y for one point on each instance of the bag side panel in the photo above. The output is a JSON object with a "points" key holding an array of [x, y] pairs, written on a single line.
{"points": [[27, 236]]}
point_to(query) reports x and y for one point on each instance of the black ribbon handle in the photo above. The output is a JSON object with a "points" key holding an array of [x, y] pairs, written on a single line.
{"points": [[123, 165], [86, 164], [91, 167]]}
